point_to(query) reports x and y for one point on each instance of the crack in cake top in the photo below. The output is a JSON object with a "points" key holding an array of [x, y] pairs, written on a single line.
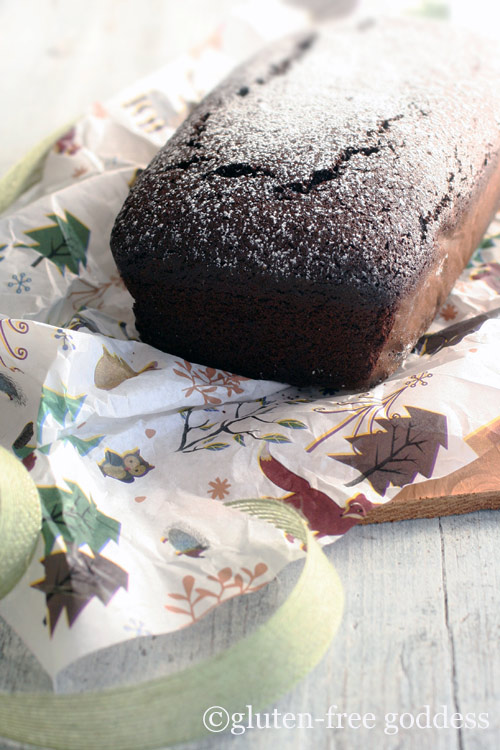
{"points": [[326, 158]]}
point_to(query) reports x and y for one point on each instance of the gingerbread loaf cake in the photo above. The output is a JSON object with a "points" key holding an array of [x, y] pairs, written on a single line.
{"points": [[309, 217]]}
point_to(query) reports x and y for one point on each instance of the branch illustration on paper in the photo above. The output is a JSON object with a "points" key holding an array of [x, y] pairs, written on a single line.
{"points": [[241, 421], [207, 380], [223, 586], [364, 410]]}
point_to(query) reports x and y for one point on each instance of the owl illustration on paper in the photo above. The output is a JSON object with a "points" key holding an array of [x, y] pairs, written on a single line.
{"points": [[126, 467]]}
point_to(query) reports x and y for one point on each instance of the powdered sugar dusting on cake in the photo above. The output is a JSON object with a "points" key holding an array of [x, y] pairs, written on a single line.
{"points": [[311, 161]]}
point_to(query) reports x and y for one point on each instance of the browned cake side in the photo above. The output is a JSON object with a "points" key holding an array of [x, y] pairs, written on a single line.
{"points": [[310, 215]]}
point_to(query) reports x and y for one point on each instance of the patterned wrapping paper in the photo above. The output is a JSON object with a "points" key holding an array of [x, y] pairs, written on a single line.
{"points": [[150, 468]]}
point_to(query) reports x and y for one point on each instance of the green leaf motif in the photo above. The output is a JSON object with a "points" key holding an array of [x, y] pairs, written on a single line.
{"points": [[63, 408], [403, 448], [64, 242], [275, 437], [487, 242], [84, 446], [24, 451], [239, 439], [59, 405], [293, 424], [216, 446], [75, 517], [73, 578]]}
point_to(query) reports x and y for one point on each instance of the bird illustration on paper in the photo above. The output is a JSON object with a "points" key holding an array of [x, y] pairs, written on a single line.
{"points": [[184, 543], [324, 515], [112, 370]]}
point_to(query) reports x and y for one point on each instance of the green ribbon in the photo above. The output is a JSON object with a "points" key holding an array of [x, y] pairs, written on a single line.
{"points": [[20, 520], [256, 671], [27, 171]]}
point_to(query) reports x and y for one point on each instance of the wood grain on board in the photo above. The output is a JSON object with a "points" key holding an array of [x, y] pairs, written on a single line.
{"points": [[473, 487]]}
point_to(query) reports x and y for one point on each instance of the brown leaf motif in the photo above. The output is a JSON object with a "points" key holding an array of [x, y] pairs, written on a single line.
{"points": [[403, 448], [73, 578]]}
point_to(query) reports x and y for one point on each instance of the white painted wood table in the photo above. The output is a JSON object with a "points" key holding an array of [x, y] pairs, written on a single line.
{"points": [[422, 619], [421, 627]]}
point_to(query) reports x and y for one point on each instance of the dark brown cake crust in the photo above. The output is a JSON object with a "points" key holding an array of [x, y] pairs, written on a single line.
{"points": [[308, 218]]}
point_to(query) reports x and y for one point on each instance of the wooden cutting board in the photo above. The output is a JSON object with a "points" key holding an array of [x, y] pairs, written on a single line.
{"points": [[473, 487]]}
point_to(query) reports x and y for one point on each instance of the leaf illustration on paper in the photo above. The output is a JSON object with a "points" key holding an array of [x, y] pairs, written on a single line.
{"points": [[293, 424], [63, 408], [84, 446], [64, 242], [275, 437], [434, 342], [488, 241], [242, 422], [216, 446], [73, 578], [59, 405], [405, 447], [76, 518]]}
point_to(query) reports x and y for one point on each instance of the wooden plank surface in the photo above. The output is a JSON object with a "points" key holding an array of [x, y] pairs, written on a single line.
{"points": [[475, 486], [421, 627]]}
